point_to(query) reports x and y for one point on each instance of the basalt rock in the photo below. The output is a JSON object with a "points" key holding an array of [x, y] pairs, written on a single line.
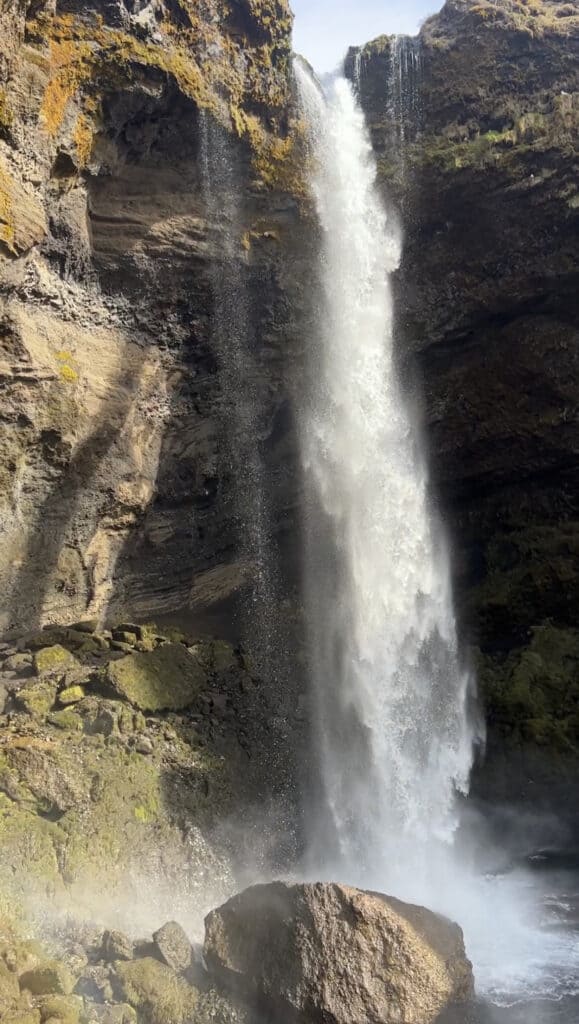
{"points": [[102, 808], [473, 123], [306, 953], [115, 241]]}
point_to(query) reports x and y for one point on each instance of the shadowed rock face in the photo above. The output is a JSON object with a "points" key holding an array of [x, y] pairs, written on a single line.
{"points": [[305, 953], [114, 487], [486, 178]]}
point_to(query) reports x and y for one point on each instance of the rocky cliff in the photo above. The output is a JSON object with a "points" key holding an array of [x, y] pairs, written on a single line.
{"points": [[144, 164], [475, 127]]}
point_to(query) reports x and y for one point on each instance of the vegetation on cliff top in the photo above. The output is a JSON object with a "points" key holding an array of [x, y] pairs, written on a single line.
{"points": [[236, 66]]}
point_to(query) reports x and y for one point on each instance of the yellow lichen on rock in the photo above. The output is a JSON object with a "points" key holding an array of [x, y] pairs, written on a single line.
{"points": [[71, 63], [6, 210], [210, 63], [83, 139]]}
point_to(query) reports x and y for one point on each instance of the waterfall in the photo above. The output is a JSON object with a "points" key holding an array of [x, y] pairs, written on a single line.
{"points": [[404, 106], [390, 695]]}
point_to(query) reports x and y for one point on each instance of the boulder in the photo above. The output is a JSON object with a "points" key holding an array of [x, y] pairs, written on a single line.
{"points": [[173, 946], [155, 992], [116, 946], [38, 698], [71, 695], [61, 1009], [48, 978], [168, 678], [307, 953], [19, 663], [53, 660]]}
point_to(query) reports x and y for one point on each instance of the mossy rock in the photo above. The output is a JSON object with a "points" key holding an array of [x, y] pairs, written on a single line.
{"points": [[48, 978], [38, 698], [224, 657], [21, 955], [155, 992], [71, 695], [9, 987], [67, 720], [166, 679], [53, 660], [61, 1009]]}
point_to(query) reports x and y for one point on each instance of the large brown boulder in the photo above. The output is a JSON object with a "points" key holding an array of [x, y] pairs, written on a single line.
{"points": [[326, 952]]}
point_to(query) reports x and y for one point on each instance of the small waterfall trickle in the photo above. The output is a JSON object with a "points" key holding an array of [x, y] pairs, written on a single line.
{"points": [[404, 88], [391, 696], [233, 335]]}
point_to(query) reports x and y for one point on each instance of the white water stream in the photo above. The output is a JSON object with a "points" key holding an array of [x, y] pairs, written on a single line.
{"points": [[391, 696]]}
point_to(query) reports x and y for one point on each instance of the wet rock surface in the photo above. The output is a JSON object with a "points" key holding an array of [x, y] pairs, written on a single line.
{"points": [[303, 953], [274, 953], [100, 795], [476, 147]]}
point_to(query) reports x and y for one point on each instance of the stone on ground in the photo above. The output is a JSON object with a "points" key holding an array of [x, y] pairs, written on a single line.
{"points": [[155, 992], [173, 946], [168, 678], [48, 978], [325, 952]]}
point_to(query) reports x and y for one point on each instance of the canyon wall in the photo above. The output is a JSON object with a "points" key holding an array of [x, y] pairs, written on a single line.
{"points": [[475, 127], [144, 160]]}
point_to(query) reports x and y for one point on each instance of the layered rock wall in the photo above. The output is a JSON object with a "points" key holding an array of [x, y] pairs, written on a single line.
{"points": [[115, 494]]}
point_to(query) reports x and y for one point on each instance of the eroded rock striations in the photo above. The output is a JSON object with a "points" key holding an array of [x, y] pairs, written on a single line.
{"points": [[115, 492], [475, 124]]}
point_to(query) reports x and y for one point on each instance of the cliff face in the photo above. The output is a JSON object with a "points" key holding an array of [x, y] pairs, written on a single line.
{"points": [[475, 124], [144, 154]]}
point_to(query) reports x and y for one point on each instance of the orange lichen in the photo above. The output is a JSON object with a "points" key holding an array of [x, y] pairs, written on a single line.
{"points": [[83, 139], [6, 211], [203, 59], [71, 63]]}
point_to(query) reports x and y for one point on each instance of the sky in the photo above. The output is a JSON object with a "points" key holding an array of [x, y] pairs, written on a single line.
{"points": [[324, 29]]}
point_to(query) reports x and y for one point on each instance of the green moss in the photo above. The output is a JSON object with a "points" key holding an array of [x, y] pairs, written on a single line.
{"points": [[47, 978], [166, 678], [53, 660], [71, 695], [66, 720], [38, 698], [527, 569], [155, 992], [533, 693], [61, 1009]]}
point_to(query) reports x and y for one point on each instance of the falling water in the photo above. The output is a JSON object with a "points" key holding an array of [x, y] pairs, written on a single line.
{"points": [[404, 93], [391, 696], [234, 342]]}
